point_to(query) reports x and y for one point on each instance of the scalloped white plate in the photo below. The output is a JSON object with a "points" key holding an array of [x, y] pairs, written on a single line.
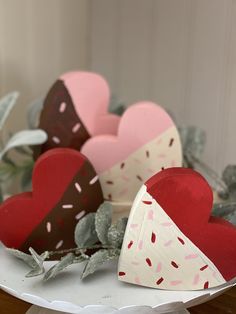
{"points": [[102, 293]]}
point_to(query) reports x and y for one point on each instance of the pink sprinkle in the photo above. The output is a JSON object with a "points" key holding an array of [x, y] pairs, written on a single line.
{"points": [[125, 178], [135, 263], [168, 243], [80, 214], [137, 160], [166, 224], [56, 140], [91, 182], [150, 170], [159, 141], [191, 256], [76, 127], [214, 274], [123, 192], [67, 206], [196, 279], [162, 156], [133, 226], [62, 107], [49, 227], [137, 280], [175, 282], [140, 245], [159, 267], [78, 187], [59, 244], [173, 163], [150, 214]]}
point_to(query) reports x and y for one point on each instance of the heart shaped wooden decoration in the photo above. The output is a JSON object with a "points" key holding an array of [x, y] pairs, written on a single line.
{"points": [[147, 141], [75, 109], [171, 241], [65, 188]]}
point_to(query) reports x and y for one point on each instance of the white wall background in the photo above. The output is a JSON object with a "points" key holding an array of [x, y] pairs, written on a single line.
{"points": [[179, 53], [39, 40]]}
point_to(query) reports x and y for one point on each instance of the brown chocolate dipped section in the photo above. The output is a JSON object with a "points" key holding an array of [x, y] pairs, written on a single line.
{"points": [[56, 230], [60, 121]]}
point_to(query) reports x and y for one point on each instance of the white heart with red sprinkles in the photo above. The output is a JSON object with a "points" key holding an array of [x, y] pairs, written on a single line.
{"points": [[155, 253]]}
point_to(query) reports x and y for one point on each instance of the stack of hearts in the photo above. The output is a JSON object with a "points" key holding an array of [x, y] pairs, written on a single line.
{"points": [[92, 155]]}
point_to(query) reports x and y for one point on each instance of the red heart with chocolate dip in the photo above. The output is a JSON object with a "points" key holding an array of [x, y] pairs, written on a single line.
{"points": [[65, 188], [172, 242]]}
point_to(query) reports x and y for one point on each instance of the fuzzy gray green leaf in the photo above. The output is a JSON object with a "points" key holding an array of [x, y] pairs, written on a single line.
{"points": [[6, 105], [103, 221], [60, 266], [28, 259], [116, 232], [98, 259], [85, 233]]}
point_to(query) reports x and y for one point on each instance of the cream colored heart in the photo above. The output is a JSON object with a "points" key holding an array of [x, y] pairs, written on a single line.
{"points": [[155, 253]]}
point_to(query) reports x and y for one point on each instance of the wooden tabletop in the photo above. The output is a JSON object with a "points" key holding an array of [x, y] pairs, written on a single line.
{"points": [[224, 304]]}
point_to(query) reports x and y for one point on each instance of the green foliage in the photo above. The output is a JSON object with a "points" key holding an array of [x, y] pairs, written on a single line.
{"points": [[85, 232], [103, 222]]}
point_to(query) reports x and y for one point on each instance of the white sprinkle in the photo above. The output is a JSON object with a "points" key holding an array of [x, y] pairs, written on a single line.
{"points": [[78, 187], [56, 140], [76, 127], [93, 180], [67, 206], [49, 227], [59, 244], [80, 215], [62, 107]]}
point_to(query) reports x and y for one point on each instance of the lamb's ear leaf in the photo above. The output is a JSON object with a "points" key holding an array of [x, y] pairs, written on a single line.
{"points": [[98, 259], [25, 138], [103, 219], [7, 103], [60, 266], [27, 258], [85, 233], [116, 232]]}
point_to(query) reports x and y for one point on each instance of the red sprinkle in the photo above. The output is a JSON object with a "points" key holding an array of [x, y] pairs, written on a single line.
{"points": [[204, 267], [130, 244], [109, 197], [147, 154], [174, 264], [153, 237], [109, 182], [171, 142], [159, 281], [121, 273], [147, 202], [122, 165], [206, 285], [181, 241], [148, 261], [138, 177], [162, 168]]}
